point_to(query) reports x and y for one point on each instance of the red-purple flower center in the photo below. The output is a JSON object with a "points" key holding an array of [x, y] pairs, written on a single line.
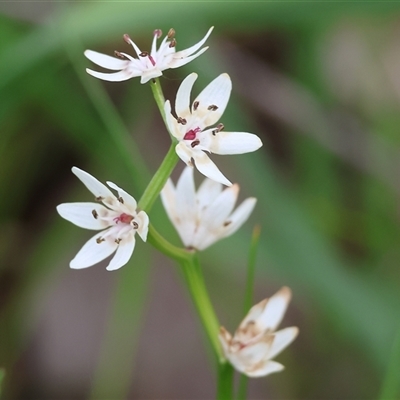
{"points": [[191, 135], [124, 218]]}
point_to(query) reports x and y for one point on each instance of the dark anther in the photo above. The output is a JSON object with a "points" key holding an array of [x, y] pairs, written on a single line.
{"points": [[94, 213], [99, 198], [144, 54], [121, 200], [99, 240], [171, 33], [195, 105], [220, 127], [158, 33], [172, 43], [119, 55], [212, 107], [117, 241], [135, 225], [226, 223], [195, 143], [181, 120], [127, 38], [214, 132]]}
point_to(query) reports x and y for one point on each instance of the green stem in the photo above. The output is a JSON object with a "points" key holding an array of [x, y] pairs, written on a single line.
{"points": [[159, 98], [225, 382], [158, 181], [162, 244], [201, 300], [248, 299]]}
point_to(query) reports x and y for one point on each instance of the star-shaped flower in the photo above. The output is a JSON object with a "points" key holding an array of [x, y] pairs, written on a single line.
{"points": [[205, 217], [118, 219], [255, 342], [189, 126], [147, 65]]}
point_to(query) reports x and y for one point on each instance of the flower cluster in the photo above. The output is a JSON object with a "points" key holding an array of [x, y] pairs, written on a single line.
{"points": [[205, 217], [201, 217], [148, 65], [189, 128], [118, 219], [256, 341]]}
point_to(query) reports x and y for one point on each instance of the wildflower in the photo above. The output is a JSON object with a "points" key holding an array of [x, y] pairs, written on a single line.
{"points": [[255, 342], [189, 128], [147, 65], [118, 219], [205, 217]]}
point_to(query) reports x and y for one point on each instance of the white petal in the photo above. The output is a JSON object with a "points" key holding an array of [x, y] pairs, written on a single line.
{"points": [[128, 200], [252, 354], [213, 217], [81, 214], [230, 142], [171, 122], [143, 221], [96, 187], [113, 77], [150, 74], [239, 216], [216, 214], [282, 339], [184, 153], [266, 368], [195, 47], [216, 93], [123, 253], [179, 62], [182, 101], [92, 252], [106, 61], [208, 168], [274, 310], [207, 192], [168, 198], [186, 205]]}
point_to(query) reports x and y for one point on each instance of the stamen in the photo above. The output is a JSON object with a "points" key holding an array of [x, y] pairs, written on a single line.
{"points": [[146, 54], [158, 33], [220, 127], [127, 38], [119, 55], [94, 213], [121, 200], [118, 241], [195, 105], [172, 43], [212, 107], [190, 135], [226, 223], [181, 120], [195, 143], [171, 33], [99, 198], [99, 240], [135, 225]]}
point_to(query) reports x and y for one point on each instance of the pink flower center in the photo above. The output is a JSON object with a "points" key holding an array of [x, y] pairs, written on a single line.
{"points": [[191, 135], [124, 218]]}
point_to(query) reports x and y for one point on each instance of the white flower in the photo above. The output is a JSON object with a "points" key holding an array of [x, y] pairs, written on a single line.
{"points": [[190, 124], [255, 342], [119, 222], [204, 217], [147, 65]]}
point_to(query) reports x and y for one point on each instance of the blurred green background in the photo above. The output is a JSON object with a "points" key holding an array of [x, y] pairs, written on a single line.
{"points": [[318, 82]]}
